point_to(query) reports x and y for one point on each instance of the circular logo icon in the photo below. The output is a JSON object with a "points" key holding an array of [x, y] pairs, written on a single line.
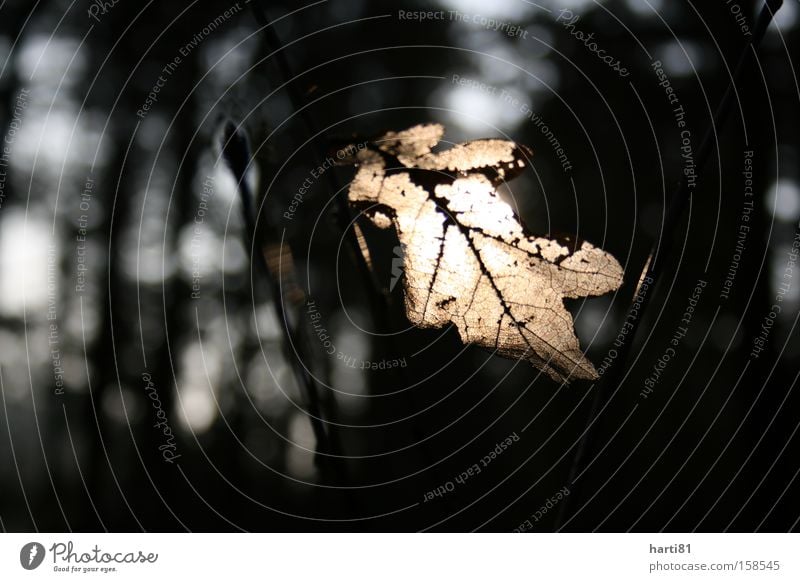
{"points": [[31, 555]]}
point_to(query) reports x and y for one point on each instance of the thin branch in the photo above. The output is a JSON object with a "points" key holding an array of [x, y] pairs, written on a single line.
{"points": [[236, 153], [376, 298], [659, 257]]}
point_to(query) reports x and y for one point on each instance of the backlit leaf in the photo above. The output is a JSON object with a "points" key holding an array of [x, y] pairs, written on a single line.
{"points": [[468, 259]]}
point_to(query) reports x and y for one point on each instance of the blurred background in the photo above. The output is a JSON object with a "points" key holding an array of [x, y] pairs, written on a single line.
{"points": [[148, 381]]}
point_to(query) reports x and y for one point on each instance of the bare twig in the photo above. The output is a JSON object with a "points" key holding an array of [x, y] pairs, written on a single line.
{"points": [[659, 257], [376, 298], [236, 153]]}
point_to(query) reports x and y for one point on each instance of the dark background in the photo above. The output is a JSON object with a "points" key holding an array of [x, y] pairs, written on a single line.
{"points": [[712, 448]]}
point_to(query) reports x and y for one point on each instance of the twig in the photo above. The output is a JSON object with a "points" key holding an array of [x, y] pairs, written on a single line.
{"points": [[236, 153], [658, 258], [376, 298]]}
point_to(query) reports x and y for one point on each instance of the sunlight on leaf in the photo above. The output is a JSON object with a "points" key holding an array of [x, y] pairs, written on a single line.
{"points": [[468, 259]]}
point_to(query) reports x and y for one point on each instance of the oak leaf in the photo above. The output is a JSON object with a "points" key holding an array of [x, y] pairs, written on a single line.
{"points": [[468, 259]]}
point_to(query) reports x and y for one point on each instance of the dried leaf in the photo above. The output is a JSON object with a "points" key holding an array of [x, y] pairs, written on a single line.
{"points": [[468, 259]]}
